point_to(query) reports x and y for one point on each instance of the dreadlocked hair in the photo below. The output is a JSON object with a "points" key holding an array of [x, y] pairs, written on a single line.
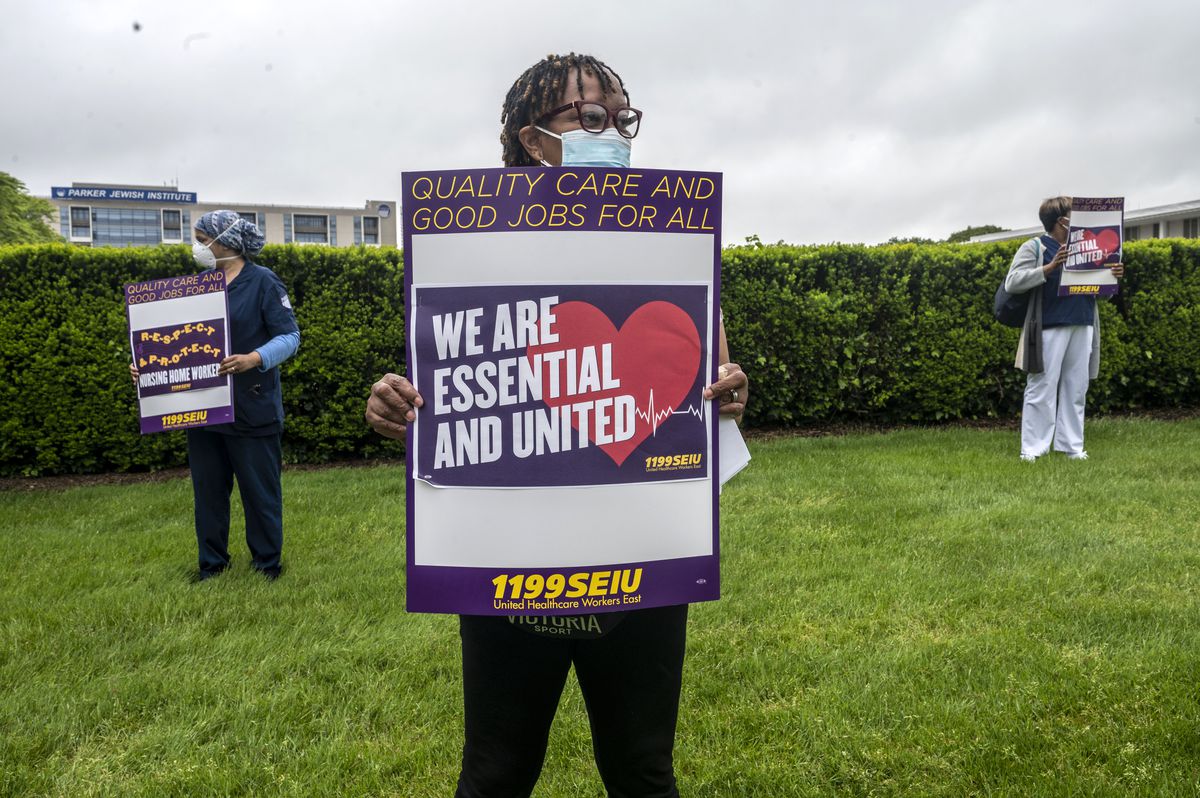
{"points": [[537, 91]]}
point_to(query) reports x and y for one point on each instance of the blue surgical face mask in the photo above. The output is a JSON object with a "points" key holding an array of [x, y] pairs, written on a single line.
{"points": [[581, 148]]}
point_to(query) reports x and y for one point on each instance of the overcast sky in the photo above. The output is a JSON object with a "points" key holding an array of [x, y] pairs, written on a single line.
{"points": [[850, 121]]}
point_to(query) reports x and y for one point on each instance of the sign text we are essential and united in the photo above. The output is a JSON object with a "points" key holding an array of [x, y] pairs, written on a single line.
{"points": [[519, 379]]}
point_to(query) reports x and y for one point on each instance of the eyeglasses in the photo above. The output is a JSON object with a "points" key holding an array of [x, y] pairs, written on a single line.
{"points": [[594, 117]]}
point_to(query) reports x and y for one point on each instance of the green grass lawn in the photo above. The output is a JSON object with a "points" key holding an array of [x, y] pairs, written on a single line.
{"points": [[912, 613]]}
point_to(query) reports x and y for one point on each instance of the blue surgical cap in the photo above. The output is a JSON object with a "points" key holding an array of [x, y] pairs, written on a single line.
{"points": [[231, 230]]}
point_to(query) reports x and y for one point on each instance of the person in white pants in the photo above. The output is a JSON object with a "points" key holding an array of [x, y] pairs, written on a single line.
{"points": [[1060, 342], [1055, 398]]}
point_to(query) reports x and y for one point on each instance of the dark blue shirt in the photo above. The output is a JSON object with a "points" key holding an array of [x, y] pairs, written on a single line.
{"points": [[1062, 311], [259, 310]]}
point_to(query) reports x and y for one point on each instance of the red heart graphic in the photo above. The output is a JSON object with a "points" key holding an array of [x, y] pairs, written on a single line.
{"points": [[1106, 242], [655, 356]]}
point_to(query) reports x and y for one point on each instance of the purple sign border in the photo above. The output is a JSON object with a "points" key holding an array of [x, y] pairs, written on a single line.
{"points": [[442, 589], [222, 414]]}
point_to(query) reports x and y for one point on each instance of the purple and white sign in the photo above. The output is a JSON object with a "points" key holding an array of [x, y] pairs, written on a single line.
{"points": [[1093, 246], [561, 331], [178, 333]]}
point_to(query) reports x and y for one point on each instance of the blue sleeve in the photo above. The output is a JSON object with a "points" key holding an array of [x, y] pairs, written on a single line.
{"points": [[281, 324], [278, 349]]}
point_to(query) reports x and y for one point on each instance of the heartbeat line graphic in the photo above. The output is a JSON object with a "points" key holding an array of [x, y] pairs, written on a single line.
{"points": [[654, 417]]}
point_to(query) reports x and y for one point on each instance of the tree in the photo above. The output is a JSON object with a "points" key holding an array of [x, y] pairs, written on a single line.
{"points": [[23, 219], [967, 233], [909, 240]]}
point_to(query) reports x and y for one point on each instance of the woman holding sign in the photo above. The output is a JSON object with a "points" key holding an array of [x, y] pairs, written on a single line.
{"points": [[1060, 342], [263, 330], [567, 110]]}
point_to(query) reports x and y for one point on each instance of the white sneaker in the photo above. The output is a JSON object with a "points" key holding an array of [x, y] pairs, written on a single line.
{"points": [[1028, 458], [1077, 456]]}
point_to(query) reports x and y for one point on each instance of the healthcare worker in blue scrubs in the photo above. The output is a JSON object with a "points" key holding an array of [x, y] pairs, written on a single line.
{"points": [[263, 335]]}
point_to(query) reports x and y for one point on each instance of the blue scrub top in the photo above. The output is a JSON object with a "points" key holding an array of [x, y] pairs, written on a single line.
{"points": [[259, 310]]}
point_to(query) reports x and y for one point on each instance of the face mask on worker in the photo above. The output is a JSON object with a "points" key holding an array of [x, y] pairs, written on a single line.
{"points": [[204, 256], [581, 148]]}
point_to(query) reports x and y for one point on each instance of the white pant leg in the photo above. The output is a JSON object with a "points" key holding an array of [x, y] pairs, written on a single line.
{"points": [[1041, 394], [1072, 391]]}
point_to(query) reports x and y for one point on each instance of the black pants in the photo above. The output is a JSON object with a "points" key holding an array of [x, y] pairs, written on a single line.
{"points": [[256, 461], [630, 679]]}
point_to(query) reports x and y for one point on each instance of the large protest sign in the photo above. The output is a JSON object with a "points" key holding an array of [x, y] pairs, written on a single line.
{"points": [[562, 326], [179, 333], [1093, 246]]}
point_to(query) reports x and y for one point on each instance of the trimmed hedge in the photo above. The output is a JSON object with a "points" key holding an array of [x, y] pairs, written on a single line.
{"points": [[888, 333], [66, 404], [904, 332]]}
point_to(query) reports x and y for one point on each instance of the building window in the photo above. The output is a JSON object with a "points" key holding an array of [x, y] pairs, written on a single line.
{"points": [[371, 230], [1132, 232], [64, 221], [81, 223], [249, 216], [310, 228], [172, 226], [126, 227], [1191, 227], [357, 230], [333, 231], [1155, 231]]}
